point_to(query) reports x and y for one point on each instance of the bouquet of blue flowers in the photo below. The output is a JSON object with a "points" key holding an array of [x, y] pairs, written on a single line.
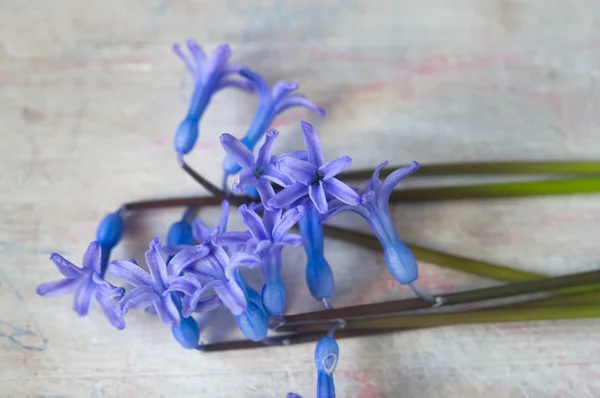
{"points": [[201, 267]]}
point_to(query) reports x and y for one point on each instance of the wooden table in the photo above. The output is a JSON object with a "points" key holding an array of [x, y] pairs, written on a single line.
{"points": [[90, 95]]}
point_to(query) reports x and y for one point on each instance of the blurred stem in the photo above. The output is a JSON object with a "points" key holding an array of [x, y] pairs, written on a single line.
{"points": [[485, 168], [474, 267], [500, 315], [499, 190]]}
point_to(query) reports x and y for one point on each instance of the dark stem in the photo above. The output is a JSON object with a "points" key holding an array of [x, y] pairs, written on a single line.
{"points": [[393, 307]]}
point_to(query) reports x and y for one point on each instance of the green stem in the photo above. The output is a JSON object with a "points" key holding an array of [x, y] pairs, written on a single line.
{"points": [[464, 264], [486, 168], [499, 190]]}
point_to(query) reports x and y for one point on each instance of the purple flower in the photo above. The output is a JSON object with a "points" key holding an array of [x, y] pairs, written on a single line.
{"points": [[374, 208], [150, 289], [87, 284], [210, 74], [272, 103], [314, 176], [258, 171], [270, 235]]}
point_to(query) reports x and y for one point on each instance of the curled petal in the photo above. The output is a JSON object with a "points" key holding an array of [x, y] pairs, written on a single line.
{"points": [[238, 260], [140, 297], [261, 84], [292, 240], [339, 207], [335, 167], [57, 288], [287, 221], [297, 100], [112, 314], [237, 150], [341, 191], [65, 267], [282, 88], [224, 216], [317, 196], [287, 196], [130, 272], [84, 296], [233, 238], [186, 284], [300, 154], [392, 180], [92, 257], [200, 231], [244, 179], [298, 170], [173, 250], [187, 257], [253, 222], [313, 145], [233, 297], [156, 262], [273, 175], [167, 312], [375, 183], [263, 155]]}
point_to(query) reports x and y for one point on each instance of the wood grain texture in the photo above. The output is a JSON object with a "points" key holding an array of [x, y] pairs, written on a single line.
{"points": [[90, 95]]}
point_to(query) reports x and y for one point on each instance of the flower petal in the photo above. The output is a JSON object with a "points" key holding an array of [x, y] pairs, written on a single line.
{"points": [[287, 195], [253, 222], [84, 296], [297, 100], [335, 167], [130, 272], [265, 190], [233, 297], [239, 260], [244, 179], [237, 150], [287, 221], [317, 195], [313, 145], [341, 191], [156, 263], [292, 240], [92, 257], [392, 180], [167, 312], [173, 250], [57, 288], [112, 314], [338, 207], [208, 304], [232, 238], [375, 183], [192, 68], [200, 231], [273, 174], [187, 284], [262, 85], [65, 267], [140, 297], [224, 216], [263, 155], [299, 154], [209, 266], [282, 88], [186, 258], [298, 170], [196, 50]]}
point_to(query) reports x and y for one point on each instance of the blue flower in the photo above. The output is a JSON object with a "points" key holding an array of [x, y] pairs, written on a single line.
{"points": [[150, 289], [374, 208], [210, 74], [270, 234], [109, 233], [87, 283], [314, 176], [319, 276], [272, 103], [258, 171]]}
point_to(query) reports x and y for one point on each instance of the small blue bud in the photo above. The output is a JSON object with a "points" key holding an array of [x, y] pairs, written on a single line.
{"points": [[319, 278], [253, 323], [188, 333], [180, 233], [273, 296], [110, 230], [251, 192], [325, 385], [401, 262], [186, 135]]}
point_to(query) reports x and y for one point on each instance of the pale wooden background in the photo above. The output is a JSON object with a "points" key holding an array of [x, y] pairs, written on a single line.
{"points": [[90, 95]]}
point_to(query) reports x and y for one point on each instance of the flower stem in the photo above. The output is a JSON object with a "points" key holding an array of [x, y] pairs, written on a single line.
{"points": [[470, 296], [486, 168], [471, 266], [562, 186]]}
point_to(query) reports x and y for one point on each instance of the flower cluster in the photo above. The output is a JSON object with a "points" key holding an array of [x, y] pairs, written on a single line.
{"points": [[201, 268]]}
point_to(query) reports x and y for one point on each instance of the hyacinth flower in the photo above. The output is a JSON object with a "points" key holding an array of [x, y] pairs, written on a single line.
{"points": [[258, 170], [319, 276], [87, 283], [326, 359], [270, 233], [272, 102], [313, 176], [210, 73], [109, 233], [151, 290], [374, 208]]}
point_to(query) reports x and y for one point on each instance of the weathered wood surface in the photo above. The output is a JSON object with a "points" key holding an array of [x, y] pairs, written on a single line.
{"points": [[90, 95]]}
